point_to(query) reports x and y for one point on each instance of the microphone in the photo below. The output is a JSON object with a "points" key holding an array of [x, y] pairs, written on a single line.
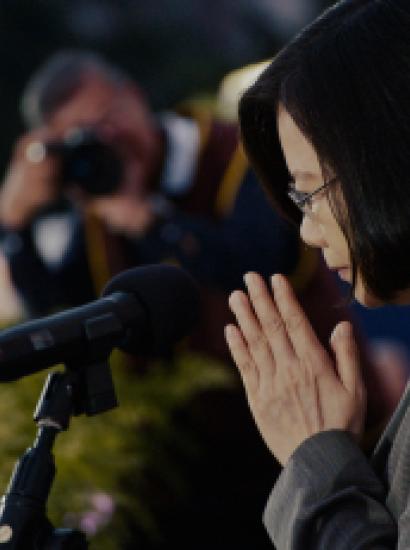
{"points": [[144, 310]]}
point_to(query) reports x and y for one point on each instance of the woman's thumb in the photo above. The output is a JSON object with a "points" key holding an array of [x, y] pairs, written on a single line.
{"points": [[347, 356]]}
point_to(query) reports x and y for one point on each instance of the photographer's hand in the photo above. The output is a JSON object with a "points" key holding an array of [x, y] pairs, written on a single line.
{"points": [[29, 183], [122, 213], [294, 388]]}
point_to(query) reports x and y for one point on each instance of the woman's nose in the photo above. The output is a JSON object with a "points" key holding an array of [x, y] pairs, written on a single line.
{"points": [[311, 233]]}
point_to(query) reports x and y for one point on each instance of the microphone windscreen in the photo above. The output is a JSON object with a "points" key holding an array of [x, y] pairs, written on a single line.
{"points": [[170, 298]]}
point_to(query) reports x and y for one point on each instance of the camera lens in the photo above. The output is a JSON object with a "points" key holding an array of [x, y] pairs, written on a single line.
{"points": [[89, 162]]}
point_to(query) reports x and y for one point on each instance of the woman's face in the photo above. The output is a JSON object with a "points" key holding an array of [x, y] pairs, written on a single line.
{"points": [[320, 228]]}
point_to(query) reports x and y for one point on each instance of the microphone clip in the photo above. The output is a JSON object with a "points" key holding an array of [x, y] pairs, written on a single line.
{"points": [[84, 387]]}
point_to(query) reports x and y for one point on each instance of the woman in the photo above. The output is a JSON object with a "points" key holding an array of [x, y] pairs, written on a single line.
{"points": [[336, 100]]}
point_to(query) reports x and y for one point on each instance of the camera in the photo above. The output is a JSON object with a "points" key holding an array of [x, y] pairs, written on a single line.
{"points": [[87, 161]]}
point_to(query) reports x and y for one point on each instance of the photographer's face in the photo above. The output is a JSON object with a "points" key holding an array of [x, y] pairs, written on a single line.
{"points": [[120, 116]]}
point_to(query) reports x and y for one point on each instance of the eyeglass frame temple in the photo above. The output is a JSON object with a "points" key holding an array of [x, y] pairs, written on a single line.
{"points": [[302, 202]]}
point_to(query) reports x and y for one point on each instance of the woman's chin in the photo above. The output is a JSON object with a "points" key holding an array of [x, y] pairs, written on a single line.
{"points": [[366, 298]]}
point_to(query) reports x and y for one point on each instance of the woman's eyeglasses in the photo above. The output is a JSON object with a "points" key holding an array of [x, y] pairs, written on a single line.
{"points": [[304, 201]]}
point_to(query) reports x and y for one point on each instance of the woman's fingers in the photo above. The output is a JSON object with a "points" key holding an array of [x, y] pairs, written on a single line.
{"points": [[276, 330], [252, 333], [242, 357], [292, 386], [350, 375], [298, 328], [269, 318], [347, 357]]}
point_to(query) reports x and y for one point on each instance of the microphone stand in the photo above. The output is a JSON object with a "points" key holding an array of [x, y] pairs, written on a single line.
{"points": [[86, 387]]}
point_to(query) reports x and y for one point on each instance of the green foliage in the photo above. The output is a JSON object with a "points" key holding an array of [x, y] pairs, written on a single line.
{"points": [[113, 454]]}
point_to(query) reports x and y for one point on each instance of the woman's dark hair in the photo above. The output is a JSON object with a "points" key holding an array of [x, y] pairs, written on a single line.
{"points": [[345, 80]]}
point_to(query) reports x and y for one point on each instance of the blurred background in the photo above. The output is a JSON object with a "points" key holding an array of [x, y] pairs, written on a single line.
{"points": [[170, 468], [174, 49]]}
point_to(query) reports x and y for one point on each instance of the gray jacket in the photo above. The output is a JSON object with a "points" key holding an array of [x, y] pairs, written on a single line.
{"points": [[331, 497]]}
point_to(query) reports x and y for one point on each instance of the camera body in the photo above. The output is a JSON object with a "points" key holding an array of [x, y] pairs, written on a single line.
{"points": [[87, 161]]}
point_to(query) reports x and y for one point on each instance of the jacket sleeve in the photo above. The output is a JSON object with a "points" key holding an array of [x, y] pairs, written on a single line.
{"points": [[219, 251], [328, 496], [42, 288]]}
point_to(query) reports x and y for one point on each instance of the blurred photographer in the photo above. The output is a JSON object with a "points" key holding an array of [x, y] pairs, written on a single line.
{"points": [[139, 187], [74, 93]]}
